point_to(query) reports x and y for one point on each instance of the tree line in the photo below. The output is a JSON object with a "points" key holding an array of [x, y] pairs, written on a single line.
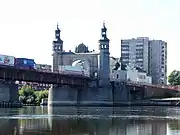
{"points": [[28, 95]]}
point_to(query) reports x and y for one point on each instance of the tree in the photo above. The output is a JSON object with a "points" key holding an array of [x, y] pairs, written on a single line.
{"points": [[174, 78], [40, 95], [26, 94]]}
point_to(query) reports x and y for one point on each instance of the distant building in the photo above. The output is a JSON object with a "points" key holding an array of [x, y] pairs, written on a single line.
{"points": [[44, 67], [82, 48], [97, 61], [130, 74], [149, 55], [61, 57], [158, 61], [135, 52]]}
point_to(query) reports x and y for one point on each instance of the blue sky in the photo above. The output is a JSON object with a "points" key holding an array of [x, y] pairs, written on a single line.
{"points": [[27, 26]]}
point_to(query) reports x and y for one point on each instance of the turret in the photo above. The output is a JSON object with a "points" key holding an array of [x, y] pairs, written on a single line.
{"points": [[57, 50], [104, 69], [57, 43]]}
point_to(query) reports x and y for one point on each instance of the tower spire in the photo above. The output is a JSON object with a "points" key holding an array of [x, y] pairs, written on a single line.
{"points": [[104, 23], [104, 58], [58, 26], [57, 33], [103, 32], [57, 43]]}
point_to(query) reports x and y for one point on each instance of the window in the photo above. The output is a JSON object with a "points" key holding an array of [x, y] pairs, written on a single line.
{"points": [[139, 59], [125, 59], [125, 52], [117, 76]]}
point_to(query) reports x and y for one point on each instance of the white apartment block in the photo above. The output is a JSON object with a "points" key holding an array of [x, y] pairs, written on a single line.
{"points": [[150, 55]]}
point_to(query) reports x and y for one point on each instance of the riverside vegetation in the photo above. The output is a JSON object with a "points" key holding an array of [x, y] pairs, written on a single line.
{"points": [[28, 95]]}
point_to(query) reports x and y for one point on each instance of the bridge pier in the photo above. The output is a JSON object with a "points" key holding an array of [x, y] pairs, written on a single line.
{"points": [[8, 91], [60, 95]]}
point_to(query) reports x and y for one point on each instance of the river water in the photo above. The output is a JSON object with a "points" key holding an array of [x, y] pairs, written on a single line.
{"points": [[90, 121]]}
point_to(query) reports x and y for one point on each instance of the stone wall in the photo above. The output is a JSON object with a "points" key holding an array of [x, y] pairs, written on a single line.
{"points": [[8, 91]]}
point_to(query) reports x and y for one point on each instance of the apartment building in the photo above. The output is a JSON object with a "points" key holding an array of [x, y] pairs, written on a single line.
{"points": [[158, 61], [135, 52], [150, 55]]}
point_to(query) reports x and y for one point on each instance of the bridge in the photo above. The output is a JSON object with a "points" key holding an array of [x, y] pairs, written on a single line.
{"points": [[73, 89], [8, 76], [14, 74]]}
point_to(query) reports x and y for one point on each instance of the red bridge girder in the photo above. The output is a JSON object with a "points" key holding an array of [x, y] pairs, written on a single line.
{"points": [[14, 74], [139, 84]]}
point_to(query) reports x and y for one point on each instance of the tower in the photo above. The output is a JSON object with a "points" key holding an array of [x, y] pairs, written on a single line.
{"points": [[104, 68], [57, 50]]}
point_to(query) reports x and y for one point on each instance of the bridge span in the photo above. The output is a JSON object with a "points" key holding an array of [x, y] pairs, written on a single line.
{"points": [[14, 74], [8, 76], [76, 89]]}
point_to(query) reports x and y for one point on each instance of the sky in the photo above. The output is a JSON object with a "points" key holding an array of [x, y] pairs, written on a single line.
{"points": [[27, 26]]}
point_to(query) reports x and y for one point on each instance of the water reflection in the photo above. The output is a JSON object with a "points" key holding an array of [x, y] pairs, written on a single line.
{"points": [[89, 121]]}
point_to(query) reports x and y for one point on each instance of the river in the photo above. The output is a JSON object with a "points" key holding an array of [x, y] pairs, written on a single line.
{"points": [[90, 121]]}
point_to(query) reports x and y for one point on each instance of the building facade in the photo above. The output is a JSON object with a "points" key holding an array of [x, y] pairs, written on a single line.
{"points": [[135, 52], [158, 61], [150, 55], [61, 57]]}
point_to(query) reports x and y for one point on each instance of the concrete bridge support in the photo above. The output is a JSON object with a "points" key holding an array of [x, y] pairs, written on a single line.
{"points": [[89, 96], [65, 95], [8, 91], [62, 95]]}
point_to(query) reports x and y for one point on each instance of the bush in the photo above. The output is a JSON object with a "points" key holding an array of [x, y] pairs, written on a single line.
{"points": [[28, 95]]}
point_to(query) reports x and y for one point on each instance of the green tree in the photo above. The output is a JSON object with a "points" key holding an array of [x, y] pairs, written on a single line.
{"points": [[40, 95], [26, 94], [174, 78]]}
